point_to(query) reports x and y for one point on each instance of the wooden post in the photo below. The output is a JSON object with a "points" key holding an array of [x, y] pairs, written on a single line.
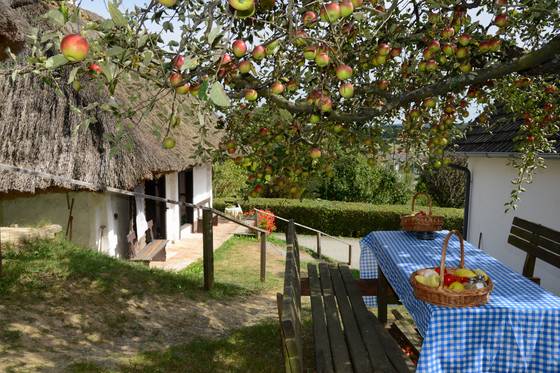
{"points": [[208, 248], [319, 244], [290, 232], [381, 296], [349, 254], [263, 256]]}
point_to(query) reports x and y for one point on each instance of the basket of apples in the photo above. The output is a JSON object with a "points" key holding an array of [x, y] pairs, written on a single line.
{"points": [[452, 287], [421, 221]]}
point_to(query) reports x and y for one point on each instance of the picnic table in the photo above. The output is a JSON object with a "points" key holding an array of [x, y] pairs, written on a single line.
{"points": [[517, 331]]}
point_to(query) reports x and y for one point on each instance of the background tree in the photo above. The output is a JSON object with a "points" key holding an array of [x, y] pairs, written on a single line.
{"points": [[357, 64], [446, 185]]}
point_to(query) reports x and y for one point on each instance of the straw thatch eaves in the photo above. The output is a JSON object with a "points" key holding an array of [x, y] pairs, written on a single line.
{"points": [[37, 131]]}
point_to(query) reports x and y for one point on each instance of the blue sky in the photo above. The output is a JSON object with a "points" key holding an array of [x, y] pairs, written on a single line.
{"points": [[99, 6]]}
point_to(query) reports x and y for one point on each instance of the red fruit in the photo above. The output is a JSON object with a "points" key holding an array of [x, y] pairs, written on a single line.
{"points": [[95, 68], [226, 58], [465, 39], [346, 90], [449, 49], [74, 47], [175, 79], [448, 33], [277, 88], [178, 61], [309, 53], [259, 52], [245, 67], [343, 72], [551, 89], [325, 104], [548, 106], [431, 65], [383, 49], [462, 52], [530, 138], [263, 131], [501, 20], [239, 48], [322, 59], [395, 52], [434, 46], [330, 12], [383, 84], [346, 8], [251, 94], [309, 18], [315, 153]]}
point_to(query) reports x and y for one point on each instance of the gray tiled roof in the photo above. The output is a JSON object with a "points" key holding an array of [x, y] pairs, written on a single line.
{"points": [[498, 137]]}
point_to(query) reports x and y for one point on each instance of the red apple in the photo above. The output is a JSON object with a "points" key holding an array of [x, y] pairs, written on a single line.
{"points": [[259, 52], [530, 138], [309, 18], [431, 65], [263, 131], [427, 54], [346, 8], [501, 20], [277, 88], [74, 47], [309, 53], [465, 39], [251, 94], [175, 79], [494, 44], [442, 59], [226, 58], [551, 89], [325, 104], [242, 4], [449, 49], [239, 48], [245, 67], [343, 72], [315, 153], [300, 38], [462, 53], [434, 46], [448, 33], [183, 89], [522, 82], [548, 106], [395, 52], [346, 90], [178, 61], [95, 68], [322, 59], [484, 46], [330, 12], [383, 49]]}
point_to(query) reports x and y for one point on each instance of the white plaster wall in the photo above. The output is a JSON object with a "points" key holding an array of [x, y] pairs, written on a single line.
{"points": [[491, 187], [91, 211], [173, 213], [202, 188]]}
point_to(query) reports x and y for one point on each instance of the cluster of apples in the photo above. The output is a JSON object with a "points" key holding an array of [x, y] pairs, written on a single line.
{"points": [[457, 279]]}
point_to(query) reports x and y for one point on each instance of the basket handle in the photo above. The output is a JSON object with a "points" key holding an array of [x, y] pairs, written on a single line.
{"points": [[428, 198], [444, 252]]}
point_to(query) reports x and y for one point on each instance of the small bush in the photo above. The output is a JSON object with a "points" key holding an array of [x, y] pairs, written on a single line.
{"points": [[342, 218], [228, 179], [446, 185]]}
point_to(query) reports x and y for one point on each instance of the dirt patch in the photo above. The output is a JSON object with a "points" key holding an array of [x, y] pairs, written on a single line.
{"points": [[73, 324]]}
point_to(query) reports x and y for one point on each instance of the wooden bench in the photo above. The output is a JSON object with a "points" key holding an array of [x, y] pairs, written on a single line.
{"points": [[347, 337], [537, 241], [153, 250]]}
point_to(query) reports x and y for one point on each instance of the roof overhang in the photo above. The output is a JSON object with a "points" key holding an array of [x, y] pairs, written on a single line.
{"points": [[505, 155]]}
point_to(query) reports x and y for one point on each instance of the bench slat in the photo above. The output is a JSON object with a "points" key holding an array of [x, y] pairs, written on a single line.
{"points": [[339, 349], [358, 353], [541, 230], [376, 337], [532, 249], [323, 356]]}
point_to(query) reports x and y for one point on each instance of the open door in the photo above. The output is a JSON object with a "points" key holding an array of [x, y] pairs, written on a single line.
{"points": [[155, 210], [186, 195]]}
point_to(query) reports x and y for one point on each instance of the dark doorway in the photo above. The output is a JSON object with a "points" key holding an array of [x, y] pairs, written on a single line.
{"points": [[186, 195], [155, 210]]}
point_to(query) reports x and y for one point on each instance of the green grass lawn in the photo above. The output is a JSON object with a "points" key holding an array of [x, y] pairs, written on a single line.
{"points": [[57, 272]]}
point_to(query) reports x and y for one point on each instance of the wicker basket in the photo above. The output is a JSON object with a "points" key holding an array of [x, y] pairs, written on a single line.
{"points": [[422, 223], [442, 296]]}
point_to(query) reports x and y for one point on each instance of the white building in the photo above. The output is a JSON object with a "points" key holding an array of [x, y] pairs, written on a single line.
{"points": [[489, 152], [39, 131]]}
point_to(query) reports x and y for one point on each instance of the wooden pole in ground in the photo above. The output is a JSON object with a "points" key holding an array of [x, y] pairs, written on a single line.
{"points": [[349, 254], [319, 244], [208, 248], [263, 256]]}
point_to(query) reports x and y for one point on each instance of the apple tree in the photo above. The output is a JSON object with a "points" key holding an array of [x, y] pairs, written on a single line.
{"points": [[323, 72]]}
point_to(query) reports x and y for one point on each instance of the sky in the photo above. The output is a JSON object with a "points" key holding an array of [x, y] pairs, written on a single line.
{"points": [[99, 6]]}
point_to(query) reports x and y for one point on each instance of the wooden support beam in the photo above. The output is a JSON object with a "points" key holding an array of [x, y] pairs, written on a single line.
{"points": [[208, 248], [263, 256], [319, 244]]}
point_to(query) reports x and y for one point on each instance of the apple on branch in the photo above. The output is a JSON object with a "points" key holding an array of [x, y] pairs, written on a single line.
{"points": [[259, 53], [239, 48], [74, 47], [242, 5]]}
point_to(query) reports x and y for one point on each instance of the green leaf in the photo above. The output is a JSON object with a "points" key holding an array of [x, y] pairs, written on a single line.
{"points": [[55, 61], [190, 63], [56, 16], [72, 75], [115, 51], [218, 95], [214, 33], [148, 55], [202, 93], [118, 19]]}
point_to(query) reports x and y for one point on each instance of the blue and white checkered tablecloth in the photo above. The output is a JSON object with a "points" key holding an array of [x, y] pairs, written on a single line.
{"points": [[517, 331]]}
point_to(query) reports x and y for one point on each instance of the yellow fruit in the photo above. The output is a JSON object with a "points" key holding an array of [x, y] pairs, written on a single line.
{"points": [[463, 272], [456, 286], [431, 281], [480, 272]]}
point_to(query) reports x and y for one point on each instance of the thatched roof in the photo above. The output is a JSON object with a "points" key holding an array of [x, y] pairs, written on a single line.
{"points": [[38, 131]]}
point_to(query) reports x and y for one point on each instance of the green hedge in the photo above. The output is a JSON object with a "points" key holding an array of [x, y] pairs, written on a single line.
{"points": [[348, 219]]}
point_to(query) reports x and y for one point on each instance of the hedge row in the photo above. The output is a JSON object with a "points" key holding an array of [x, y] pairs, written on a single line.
{"points": [[347, 219]]}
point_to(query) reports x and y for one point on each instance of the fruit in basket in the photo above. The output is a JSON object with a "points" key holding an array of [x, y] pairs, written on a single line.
{"points": [[480, 272], [464, 272], [431, 281], [456, 286], [420, 213]]}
